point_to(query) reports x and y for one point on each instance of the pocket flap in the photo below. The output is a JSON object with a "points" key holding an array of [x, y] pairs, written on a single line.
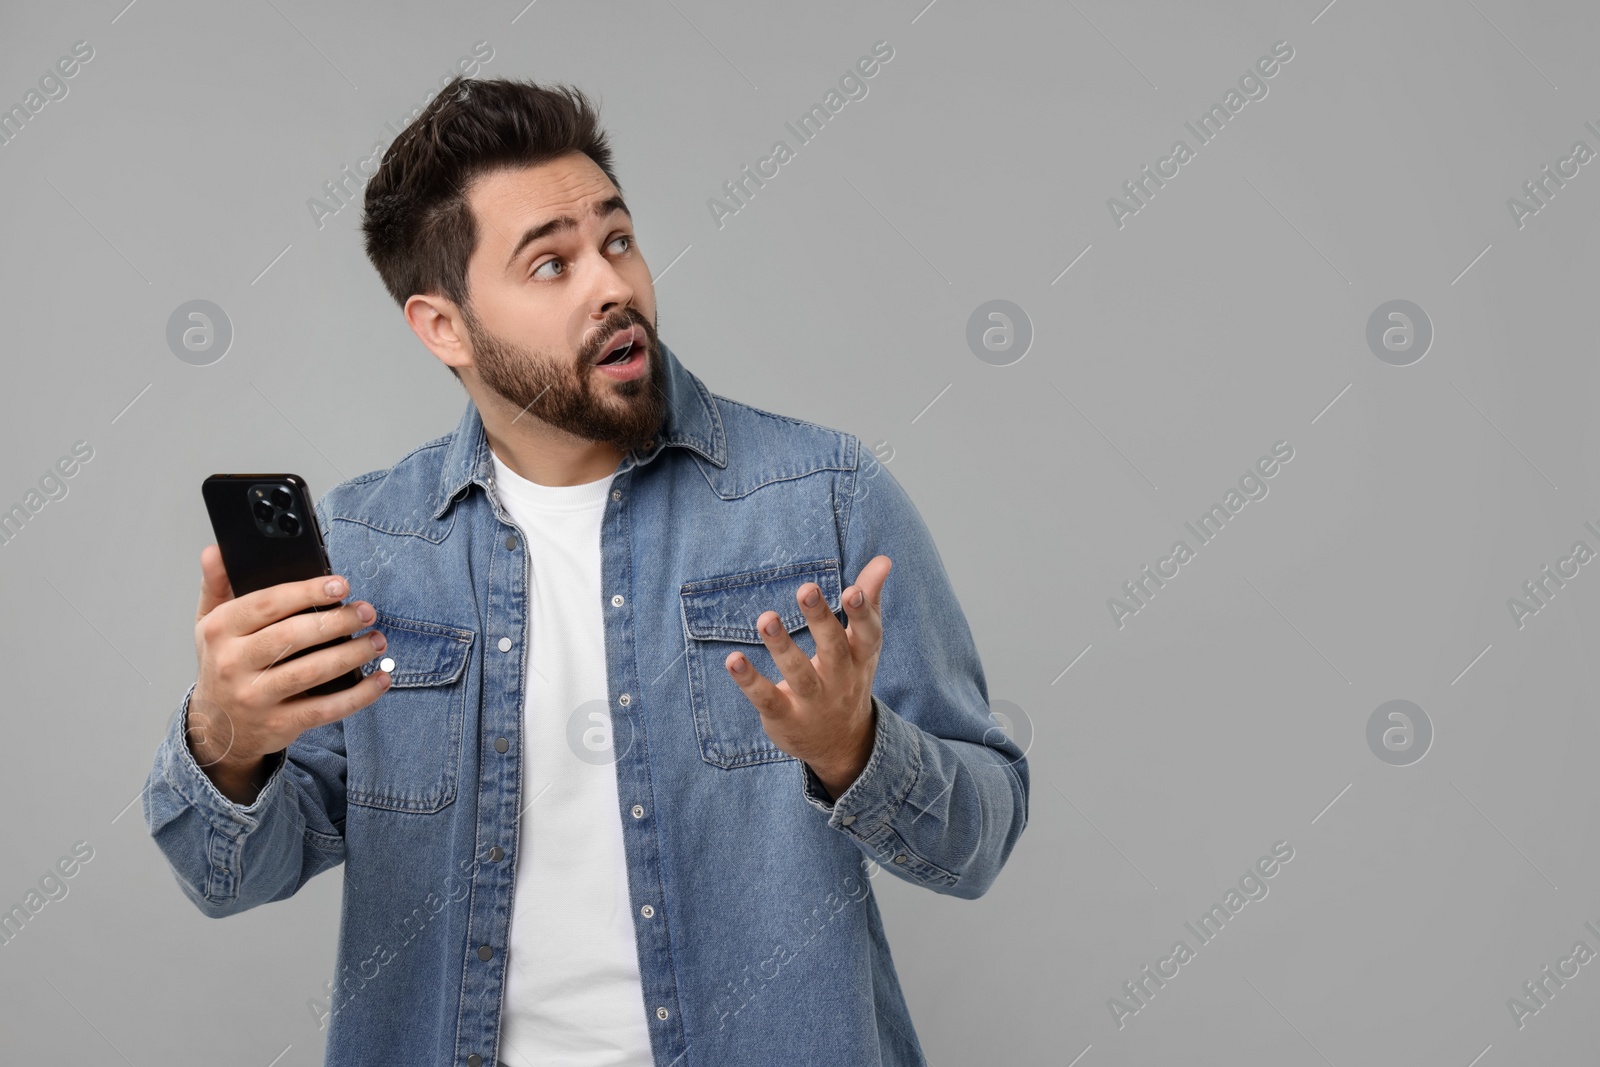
{"points": [[424, 653], [726, 607]]}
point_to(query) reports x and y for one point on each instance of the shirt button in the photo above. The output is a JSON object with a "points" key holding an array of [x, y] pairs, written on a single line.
{"points": [[638, 811], [511, 542], [616, 601], [625, 700], [847, 820], [386, 664], [485, 953], [661, 1013], [900, 858], [496, 855], [616, 494], [501, 744], [474, 1060], [647, 911], [505, 644]]}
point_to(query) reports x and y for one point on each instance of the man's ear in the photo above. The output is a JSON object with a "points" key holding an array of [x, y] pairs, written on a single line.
{"points": [[438, 323]]}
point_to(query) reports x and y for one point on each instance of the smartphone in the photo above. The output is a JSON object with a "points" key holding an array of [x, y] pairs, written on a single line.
{"points": [[266, 526]]}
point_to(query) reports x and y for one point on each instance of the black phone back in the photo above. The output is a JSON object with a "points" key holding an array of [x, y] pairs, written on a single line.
{"points": [[266, 528]]}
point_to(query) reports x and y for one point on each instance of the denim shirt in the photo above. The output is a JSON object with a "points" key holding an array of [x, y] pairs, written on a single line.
{"points": [[758, 932]]}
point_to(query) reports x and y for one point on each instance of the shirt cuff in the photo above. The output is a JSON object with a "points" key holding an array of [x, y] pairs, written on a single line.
{"points": [[183, 775], [865, 810]]}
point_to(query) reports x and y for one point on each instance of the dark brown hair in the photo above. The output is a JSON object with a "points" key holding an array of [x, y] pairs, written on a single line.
{"points": [[419, 228]]}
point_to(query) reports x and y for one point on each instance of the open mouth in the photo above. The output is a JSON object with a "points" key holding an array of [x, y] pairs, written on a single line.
{"points": [[621, 347], [620, 355]]}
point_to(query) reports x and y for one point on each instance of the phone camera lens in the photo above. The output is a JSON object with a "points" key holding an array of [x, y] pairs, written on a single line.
{"points": [[263, 510], [288, 523], [282, 497]]}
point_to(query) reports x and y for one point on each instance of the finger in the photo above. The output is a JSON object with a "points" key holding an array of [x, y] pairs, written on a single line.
{"points": [[331, 707], [757, 688], [287, 636], [291, 678], [255, 611], [833, 647], [872, 577], [215, 588], [790, 657], [863, 605]]}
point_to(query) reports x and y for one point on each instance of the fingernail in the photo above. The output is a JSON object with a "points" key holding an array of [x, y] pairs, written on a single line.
{"points": [[809, 598], [335, 587], [771, 628], [384, 680], [378, 641], [857, 600], [364, 612], [738, 666]]}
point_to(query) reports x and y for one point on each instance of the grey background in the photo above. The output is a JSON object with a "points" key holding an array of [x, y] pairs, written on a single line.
{"points": [[1229, 314]]}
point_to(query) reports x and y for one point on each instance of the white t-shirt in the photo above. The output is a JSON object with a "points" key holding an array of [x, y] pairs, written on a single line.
{"points": [[573, 996]]}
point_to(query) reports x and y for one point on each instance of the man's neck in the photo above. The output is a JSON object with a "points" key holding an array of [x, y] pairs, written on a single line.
{"points": [[544, 454]]}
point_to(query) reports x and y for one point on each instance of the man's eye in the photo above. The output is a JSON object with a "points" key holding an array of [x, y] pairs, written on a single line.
{"points": [[628, 237]]}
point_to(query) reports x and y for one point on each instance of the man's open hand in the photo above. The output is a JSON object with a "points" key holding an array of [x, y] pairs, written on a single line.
{"points": [[821, 712]]}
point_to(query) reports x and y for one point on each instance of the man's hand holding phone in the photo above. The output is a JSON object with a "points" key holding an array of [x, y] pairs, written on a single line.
{"points": [[249, 702]]}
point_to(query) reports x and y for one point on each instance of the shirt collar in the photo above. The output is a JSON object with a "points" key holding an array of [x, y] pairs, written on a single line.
{"points": [[691, 421]]}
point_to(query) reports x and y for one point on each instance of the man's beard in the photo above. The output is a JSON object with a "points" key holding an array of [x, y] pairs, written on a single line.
{"points": [[564, 394]]}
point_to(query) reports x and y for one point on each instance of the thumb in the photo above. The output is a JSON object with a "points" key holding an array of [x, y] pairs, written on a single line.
{"points": [[215, 588]]}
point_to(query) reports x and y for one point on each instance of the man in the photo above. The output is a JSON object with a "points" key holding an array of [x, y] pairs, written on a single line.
{"points": [[627, 747]]}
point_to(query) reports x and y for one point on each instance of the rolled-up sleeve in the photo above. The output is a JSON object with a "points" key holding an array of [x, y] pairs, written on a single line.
{"points": [[944, 795], [229, 857]]}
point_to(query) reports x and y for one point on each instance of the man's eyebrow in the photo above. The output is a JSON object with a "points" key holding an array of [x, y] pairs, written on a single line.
{"points": [[562, 223]]}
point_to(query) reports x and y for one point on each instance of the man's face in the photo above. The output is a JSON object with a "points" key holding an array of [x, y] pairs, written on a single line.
{"points": [[543, 309]]}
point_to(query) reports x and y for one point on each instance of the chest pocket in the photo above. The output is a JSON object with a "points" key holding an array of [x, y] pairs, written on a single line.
{"points": [[719, 616], [403, 751]]}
